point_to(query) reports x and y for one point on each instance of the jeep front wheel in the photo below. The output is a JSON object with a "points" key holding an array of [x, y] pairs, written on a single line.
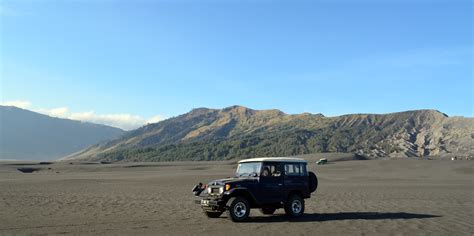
{"points": [[238, 209], [294, 207], [212, 214]]}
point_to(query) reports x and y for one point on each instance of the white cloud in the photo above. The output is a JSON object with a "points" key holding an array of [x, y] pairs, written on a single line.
{"points": [[154, 119], [60, 111], [123, 121], [20, 104]]}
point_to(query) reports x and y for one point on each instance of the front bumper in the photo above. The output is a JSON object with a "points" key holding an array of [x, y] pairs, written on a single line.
{"points": [[210, 204]]}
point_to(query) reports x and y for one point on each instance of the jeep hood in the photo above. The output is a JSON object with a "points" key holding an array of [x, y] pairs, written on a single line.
{"points": [[231, 180]]}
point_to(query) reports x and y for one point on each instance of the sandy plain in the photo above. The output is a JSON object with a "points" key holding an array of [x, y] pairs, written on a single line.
{"points": [[370, 197]]}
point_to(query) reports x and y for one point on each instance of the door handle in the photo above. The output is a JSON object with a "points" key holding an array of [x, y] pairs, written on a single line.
{"points": [[280, 184]]}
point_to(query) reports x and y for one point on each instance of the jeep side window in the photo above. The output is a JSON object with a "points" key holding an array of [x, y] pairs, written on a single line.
{"points": [[271, 170], [276, 170], [295, 169]]}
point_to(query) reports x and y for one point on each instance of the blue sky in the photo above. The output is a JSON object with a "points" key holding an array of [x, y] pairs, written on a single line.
{"points": [[132, 61]]}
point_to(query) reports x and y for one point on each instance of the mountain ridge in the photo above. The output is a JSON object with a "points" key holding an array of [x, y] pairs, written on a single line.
{"points": [[241, 132]]}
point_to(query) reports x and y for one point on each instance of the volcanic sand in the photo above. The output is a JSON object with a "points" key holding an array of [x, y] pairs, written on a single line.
{"points": [[370, 197]]}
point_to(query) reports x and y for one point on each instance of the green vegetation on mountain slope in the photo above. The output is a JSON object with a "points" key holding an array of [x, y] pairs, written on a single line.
{"points": [[239, 132]]}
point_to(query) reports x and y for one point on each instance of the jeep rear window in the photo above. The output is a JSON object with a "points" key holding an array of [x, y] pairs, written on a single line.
{"points": [[295, 169], [248, 169]]}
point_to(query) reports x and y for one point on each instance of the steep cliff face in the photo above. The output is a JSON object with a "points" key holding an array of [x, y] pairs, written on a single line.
{"points": [[238, 132], [428, 133]]}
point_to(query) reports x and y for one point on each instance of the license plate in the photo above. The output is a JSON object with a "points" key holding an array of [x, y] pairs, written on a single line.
{"points": [[204, 202]]}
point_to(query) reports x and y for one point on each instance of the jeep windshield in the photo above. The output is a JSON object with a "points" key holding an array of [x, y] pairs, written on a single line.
{"points": [[250, 169]]}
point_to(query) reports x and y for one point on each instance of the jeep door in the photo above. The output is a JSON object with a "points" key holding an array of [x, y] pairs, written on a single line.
{"points": [[271, 183]]}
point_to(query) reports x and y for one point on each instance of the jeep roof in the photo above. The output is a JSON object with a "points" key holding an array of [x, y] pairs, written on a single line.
{"points": [[275, 159]]}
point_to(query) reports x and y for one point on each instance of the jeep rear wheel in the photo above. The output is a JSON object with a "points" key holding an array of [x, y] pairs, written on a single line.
{"points": [[238, 209], [268, 210], [294, 207], [212, 214]]}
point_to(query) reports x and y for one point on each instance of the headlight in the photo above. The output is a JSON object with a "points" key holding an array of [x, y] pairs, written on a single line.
{"points": [[215, 190]]}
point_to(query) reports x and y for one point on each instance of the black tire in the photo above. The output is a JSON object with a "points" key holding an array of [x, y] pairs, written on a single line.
{"points": [[268, 210], [313, 181], [238, 209], [212, 214], [294, 207]]}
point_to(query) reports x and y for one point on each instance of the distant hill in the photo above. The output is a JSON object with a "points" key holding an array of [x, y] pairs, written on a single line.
{"points": [[27, 135], [240, 132]]}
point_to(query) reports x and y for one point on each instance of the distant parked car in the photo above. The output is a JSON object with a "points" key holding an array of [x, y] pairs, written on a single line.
{"points": [[322, 161]]}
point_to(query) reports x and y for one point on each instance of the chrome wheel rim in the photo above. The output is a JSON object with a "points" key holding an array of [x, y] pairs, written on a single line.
{"points": [[240, 209], [296, 206]]}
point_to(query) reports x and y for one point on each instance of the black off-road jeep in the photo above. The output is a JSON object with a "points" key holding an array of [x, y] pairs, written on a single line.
{"points": [[265, 183]]}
